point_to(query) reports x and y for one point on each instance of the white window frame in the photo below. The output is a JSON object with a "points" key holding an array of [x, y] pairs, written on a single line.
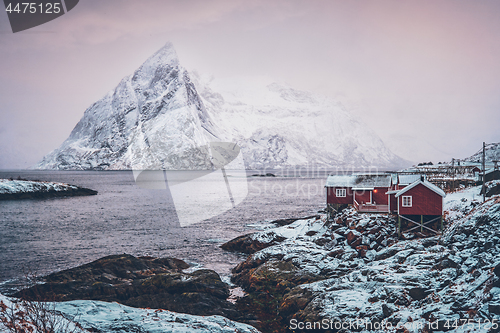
{"points": [[340, 192], [407, 201]]}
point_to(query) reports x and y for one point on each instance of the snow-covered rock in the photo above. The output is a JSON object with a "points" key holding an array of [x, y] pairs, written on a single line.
{"points": [[114, 317], [458, 204], [492, 188], [97, 316], [20, 186], [162, 117]]}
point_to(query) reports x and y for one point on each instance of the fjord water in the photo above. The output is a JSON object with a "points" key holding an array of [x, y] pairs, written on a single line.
{"points": [[45, 235]]}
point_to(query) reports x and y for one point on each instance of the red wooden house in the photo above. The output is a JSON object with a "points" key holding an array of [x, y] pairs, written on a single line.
{"points": [[415, 200], [367, 192]]}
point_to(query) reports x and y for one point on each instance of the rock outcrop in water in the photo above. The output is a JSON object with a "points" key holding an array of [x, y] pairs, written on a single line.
{"points": [[354, 269], [139, 282], [26, 189]]}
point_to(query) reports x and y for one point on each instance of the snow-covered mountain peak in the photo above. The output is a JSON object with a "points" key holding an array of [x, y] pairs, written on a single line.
{"points": [[160, 116], [154, 118], [156, 66]]}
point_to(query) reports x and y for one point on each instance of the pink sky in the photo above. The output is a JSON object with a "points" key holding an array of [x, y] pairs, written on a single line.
{"points": [[425, 75]]}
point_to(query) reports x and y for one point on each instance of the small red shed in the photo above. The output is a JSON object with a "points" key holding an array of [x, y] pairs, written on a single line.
{"points": [[339, 190], [420, 198], [420, 204], [475, 169]]}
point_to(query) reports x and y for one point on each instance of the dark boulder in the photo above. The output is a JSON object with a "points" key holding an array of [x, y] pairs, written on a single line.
{"points": [[418, 293], [249, 245], [139, 282]]}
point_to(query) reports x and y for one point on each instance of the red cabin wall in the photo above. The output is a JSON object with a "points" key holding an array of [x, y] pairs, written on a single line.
{"points": [[394, 202], [379, 196], [362, 196], [332, 199], [424, 202]]}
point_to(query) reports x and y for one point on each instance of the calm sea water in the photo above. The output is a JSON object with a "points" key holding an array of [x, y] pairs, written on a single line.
{"points": [[42, 236]]}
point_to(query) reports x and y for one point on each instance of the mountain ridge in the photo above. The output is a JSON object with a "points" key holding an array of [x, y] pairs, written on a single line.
{"points": [[492, 153]]}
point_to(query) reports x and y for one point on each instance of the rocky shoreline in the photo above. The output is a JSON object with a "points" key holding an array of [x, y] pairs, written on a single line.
{"points": [[19, 189], [313, 272], [355, 269]]}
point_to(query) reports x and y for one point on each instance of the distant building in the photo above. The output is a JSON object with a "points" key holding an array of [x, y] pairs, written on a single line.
{"points": [[491, 174], [475, 169]]}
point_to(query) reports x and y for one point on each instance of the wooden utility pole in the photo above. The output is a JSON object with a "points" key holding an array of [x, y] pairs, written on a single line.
{"points": [[484, 172], [453, 175], [399, 224]]}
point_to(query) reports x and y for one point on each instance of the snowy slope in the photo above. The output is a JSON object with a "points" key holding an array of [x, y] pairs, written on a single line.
{"points": [[492, 153], [278, 126], [158, 118]]}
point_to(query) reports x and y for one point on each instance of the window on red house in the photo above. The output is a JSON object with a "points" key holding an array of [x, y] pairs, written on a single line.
{"points": [[407, 201]]}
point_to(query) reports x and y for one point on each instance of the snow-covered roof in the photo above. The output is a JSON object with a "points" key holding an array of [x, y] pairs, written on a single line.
{"points": [[372, 180], [408, 179], [427, 184], [340, 181], [359, 181]]}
